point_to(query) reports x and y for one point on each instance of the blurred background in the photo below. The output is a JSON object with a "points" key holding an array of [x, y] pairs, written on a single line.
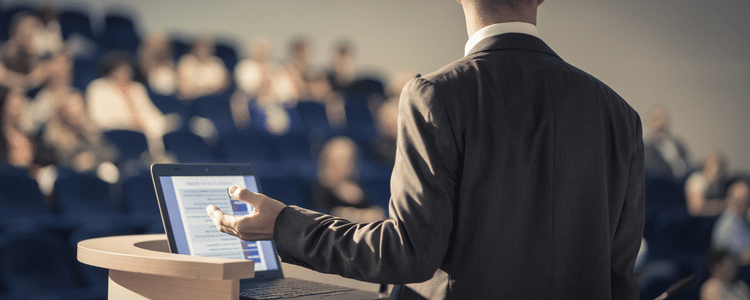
{"points": [[93, 92]]}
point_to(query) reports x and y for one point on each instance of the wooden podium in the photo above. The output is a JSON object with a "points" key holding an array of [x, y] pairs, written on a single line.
{"points": [[141, 267]]}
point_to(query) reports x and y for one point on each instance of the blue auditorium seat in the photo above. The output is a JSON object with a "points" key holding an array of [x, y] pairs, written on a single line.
{"points": [[169, 104], [360, 123], [120, 33], [216, 108], [243, 148], [288, 189], [225, 50], [295, 147], [37, 265], [313, 115], [378, 190], [180, 47], [131, 144], [20, 197], [189, 148], [140, 198], [76, 22], [83, 196], [363, 88], [86, 71]]}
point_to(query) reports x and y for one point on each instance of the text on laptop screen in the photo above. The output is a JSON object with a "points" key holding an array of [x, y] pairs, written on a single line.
{"points": [[195, 232]]}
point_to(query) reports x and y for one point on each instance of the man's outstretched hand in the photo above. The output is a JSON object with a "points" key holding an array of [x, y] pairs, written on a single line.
{"points": [[254, 227]]}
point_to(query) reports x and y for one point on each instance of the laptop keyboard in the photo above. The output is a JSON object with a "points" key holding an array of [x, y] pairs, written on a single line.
{"points": [[291, 288]]}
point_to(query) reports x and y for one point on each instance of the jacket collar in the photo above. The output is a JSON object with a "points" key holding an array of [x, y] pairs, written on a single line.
{"points": [[512, 41]]}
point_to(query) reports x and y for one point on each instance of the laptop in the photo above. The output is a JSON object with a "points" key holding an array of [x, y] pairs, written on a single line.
{"points": [[184, 191]]}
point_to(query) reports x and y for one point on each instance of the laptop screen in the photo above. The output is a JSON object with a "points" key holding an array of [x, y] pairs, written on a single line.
{"points": [[184, 198]]}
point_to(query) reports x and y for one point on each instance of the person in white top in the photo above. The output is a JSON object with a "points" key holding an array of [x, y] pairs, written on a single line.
{"points": [[115, 101], [157, 63], [201, 73]]}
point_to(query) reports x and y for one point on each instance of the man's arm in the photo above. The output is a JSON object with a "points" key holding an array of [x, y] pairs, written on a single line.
{"points": [[411, 245], [627, 240]]}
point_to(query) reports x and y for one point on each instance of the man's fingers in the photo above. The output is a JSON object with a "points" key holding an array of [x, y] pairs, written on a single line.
{"points": [[223, 222], [244, 195]]}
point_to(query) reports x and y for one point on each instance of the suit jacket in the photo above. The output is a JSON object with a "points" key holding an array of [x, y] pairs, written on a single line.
{"points": [[517, 176]]}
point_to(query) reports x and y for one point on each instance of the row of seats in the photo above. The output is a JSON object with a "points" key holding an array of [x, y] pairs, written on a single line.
{"points": [[79, 196], [39, 262]]}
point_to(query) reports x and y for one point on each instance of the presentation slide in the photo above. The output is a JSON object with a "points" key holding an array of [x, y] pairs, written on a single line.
{"points": [[193, 195]]}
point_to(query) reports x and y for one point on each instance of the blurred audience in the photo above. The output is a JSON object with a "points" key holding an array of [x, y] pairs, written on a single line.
{"points": [[705, 189], [21, 53], [722, 283], [263, 89], [23, 66], [343, 69], [156, 63], [309, 84], [49, 39], [337, 188], [20, 149], [77, 142], [115, 101], [732, 230], [57, 91], [200, 72], [665, 156]]}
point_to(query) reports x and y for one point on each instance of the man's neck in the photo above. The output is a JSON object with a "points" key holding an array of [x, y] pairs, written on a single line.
{"points": [[477, 19]]}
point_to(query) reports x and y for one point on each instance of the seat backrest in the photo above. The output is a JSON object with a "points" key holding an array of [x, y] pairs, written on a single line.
{"points": [[244, 148], [139, 196], [131, 144], [188, 147], [35, 264], [75, 21], [287, 189], [20, 196], [84, 195]]}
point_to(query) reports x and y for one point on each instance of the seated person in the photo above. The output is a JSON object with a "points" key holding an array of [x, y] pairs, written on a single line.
{"points": [[722, 283], [705, 189], [115, 102], [732, 230], [664, 155], [77, 142], [157, 64], [263, 91], [23, 64], [57, 90], [384, 147], [21, 150], [337, 188], [343, 69], [199, 72]]}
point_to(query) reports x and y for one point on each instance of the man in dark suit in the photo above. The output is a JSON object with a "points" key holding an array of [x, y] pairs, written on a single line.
{"points": [[517, 176]]}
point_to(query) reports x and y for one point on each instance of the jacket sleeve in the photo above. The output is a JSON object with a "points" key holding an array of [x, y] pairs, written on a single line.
{"points": [[410, 245], [627, 239]]}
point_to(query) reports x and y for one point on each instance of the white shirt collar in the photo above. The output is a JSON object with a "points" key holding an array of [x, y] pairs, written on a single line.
{"points": [[497, 29]]}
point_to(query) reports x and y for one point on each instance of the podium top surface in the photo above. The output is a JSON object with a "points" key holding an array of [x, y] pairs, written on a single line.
{"points": [[150, 254]]}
